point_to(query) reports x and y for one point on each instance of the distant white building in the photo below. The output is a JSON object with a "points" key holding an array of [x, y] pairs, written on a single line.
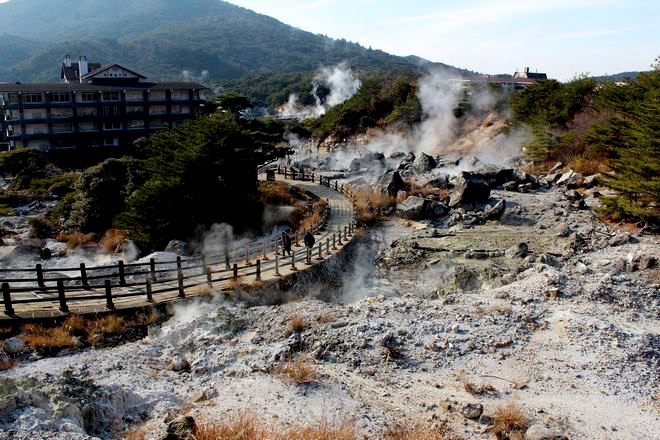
{"points": [[518, 81]]}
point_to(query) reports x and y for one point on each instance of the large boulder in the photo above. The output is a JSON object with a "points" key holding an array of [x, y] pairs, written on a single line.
{"points": [[469, 188], [14, 345], [181, 428], [413, 208], [391, 183], [178, 247], [424, 163], [432, 180], [494, 212], [571, 179], [495, 176], [22, 253]]}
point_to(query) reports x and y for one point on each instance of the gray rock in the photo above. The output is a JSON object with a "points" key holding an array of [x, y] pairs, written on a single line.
{"points": [[181, 428], [469, 188], [177, 247], [647, 262], [424, 163], [557, 168], [540, 432], [14, 345], [571, 179], [620, 239], [472, 410], [179, 363], [494, 212], [413, 208], [510, 186], [436, 209], [432, 180], [22, 253], [591, 181], [518, 251], [486, 420], [391, 183]]}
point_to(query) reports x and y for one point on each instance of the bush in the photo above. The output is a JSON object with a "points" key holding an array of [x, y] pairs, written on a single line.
{"points": [[40, 227]]}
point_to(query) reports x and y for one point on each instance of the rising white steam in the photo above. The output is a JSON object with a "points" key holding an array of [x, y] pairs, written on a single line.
{"points": [[341, 81], [189, 75]]}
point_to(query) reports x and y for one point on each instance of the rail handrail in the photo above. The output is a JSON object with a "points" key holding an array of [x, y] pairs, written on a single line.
{"points": [[153, 277]]}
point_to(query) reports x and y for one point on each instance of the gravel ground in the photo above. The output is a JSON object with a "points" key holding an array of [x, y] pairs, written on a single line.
{"points": [[569, 331]]}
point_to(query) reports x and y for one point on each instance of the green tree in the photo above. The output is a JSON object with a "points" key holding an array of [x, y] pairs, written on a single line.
{"points": [[631, 140], [202, 173]]}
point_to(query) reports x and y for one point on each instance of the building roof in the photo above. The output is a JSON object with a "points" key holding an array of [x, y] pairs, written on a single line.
{"points": [[495, 79], [100, 69], [72, 73], [88, 87]]}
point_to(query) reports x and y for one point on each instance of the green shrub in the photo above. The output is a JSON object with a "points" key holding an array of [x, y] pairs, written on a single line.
{"points": [[40, 227]]}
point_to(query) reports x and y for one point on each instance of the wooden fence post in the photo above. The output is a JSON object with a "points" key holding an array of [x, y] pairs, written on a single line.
{"points": [[60, 294], [179, 274], [277, 265], [235, 271], [265, 253], [258, 270], [6, 296], [247, 254], [122, 278], [152, 269], [40, 276], [334, 242], [83, 275], [209, 278], [293, 260], [108, 295], [150, 298]]}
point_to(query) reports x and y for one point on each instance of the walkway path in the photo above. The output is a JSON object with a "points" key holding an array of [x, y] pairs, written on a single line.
{"points": [[132, 286]]}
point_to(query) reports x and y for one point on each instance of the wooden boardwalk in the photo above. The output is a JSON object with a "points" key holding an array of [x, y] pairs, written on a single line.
{"points": [[100, 289]]}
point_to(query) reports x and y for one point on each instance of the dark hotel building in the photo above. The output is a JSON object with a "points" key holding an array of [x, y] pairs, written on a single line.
{"points": [[93, 106]]}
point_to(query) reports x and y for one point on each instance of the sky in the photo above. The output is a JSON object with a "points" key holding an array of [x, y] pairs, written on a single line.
{"points": [[562, 38]]}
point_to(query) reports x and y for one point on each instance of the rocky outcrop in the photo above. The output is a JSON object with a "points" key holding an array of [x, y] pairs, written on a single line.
{"points": [[391, 183], [424, 163], [469, 188]]}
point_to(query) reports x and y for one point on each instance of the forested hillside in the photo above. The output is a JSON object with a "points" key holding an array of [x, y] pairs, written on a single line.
{"points": [[162, 39]]}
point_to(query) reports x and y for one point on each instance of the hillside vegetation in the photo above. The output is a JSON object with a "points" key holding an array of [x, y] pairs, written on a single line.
{"points": [[164, 38]]}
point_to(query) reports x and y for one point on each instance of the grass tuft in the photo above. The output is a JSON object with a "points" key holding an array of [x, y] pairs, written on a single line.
{"points": [[47, 340], [509, 422], [369, 205], [112, 239], [299, 371], [296, 324], [76, 239]]}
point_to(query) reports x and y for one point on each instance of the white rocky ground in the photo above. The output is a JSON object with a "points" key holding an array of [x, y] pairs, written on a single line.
{"points": [[570, 332]]}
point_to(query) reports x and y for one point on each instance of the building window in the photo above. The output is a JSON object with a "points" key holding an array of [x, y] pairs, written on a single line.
{"points": [[87, 112], [157, 95], [111, 142], [61, 113], [62, 128], [180, 109], [134, 95], [111, 111], [133, 110], [34, 115], [157, 110], [60, 97], [33, 98], [180, 95], [135, 124], [157, 123], [88, 97], [87, 126], [110, 96], [112, 125]]}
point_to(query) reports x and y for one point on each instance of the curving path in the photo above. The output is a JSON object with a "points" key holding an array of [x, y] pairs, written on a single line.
{"points": [[194, 280]]}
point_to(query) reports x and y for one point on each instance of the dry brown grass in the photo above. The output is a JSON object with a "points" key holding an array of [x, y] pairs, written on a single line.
{"points": [[509, 422], [369, 204], [248, 428], [425, 191], [587, 167], [48, 340], [496, 309], [109, 325], [76, 239], [297, 324], [7, 364], [112, 239], [537, 168], [134, 434], [76, 325], [326, 318], [299, 371], [315, 216], [417, 432], [276, 193], [478, 390]]}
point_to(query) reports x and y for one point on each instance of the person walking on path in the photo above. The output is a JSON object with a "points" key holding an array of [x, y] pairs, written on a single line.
{"points": [[286, 244], [309, 240]]}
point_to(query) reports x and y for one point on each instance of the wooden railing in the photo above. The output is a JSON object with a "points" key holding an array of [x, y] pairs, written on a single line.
{"points": [[152, 278]]}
